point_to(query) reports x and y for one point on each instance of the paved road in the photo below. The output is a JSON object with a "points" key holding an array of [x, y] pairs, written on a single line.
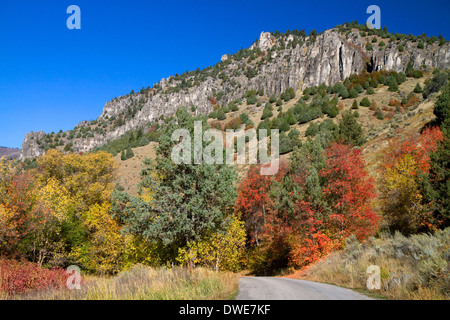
{"points": [[267, 288]]}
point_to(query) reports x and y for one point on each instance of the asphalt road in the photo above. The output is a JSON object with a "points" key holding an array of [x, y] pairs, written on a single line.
{"points": [[267, 288]]}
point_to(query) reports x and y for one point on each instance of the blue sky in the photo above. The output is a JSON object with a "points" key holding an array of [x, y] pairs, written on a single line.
{"points": [[52, 78]]}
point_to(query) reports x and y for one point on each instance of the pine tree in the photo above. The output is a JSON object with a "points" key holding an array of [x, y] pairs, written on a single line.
{"points": [[365, 102], [418, 88], [350, 131], [393, 87]]}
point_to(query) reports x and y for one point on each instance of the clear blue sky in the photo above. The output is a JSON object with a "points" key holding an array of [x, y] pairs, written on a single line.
{"points": [[52, 78]]}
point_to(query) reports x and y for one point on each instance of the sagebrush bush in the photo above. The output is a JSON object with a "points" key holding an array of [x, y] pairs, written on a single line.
{"points": [[415, 267]]}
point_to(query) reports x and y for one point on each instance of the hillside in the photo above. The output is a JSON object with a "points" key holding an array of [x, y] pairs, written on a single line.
{"points": [[10, 153], [274, 63], [378, 132]]}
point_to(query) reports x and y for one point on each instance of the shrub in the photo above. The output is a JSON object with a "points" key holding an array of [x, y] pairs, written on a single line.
{"points": [[344, 93], [394, 103], [23, 277], [251, 99], [144, 141], [379, 114], [221, 115], [393, 87], [129, 153], [268, 106], [333, 112], [355, 104], [279, 102], [418, 88], [244, 118], [365, 102], [312, 130], [417, 74], [435, 84], [267, 113], [352, 93]]}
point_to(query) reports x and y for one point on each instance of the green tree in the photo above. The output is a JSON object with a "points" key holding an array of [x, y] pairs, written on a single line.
{"points": [[365, 102], [312, 130], [279, 102], [352, 93], [189, 201], [418, 88], [393, 87], [267, 113], [350, 131]]}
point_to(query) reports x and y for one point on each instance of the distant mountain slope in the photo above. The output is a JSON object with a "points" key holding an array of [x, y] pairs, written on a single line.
{"points": [[274, 63], [10, 153]]}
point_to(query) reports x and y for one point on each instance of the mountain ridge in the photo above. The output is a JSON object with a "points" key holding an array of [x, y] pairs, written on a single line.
{"points": [[272, 64]]}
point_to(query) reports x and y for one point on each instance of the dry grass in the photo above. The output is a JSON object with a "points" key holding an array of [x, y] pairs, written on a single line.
{"points": [[411, 268], [144, 283]]}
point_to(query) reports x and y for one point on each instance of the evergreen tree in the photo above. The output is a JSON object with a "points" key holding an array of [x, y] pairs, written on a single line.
{"points": [[189, 201], [365, 102], [393, 87], [350, 131], [418, 88]]}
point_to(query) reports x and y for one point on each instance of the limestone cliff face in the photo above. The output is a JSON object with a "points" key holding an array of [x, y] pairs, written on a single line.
{"points": [[30, 146], [330, 58]]}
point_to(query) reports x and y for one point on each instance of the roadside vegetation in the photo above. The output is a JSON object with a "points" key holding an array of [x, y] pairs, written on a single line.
{"points": [[145, 283], [414, 267]]}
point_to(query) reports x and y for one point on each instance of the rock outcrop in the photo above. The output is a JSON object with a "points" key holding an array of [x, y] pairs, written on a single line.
{"points": [[328, 58], [31, 147]]}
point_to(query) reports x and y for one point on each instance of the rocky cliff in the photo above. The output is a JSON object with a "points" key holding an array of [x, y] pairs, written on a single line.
{"points": [[273, 63]]}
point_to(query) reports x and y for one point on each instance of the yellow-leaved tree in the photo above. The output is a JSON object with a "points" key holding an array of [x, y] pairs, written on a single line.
{"points": [[104, 250], [219, 251], [400, 197]]}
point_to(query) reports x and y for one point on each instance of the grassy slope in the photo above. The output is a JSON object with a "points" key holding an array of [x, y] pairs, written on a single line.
{"points": [[380, 131], [410, 268]]}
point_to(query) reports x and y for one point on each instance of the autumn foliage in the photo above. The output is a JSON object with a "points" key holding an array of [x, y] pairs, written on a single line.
{"points": [[19, 277], [405, 167], [58, 214], [307, 213]]}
